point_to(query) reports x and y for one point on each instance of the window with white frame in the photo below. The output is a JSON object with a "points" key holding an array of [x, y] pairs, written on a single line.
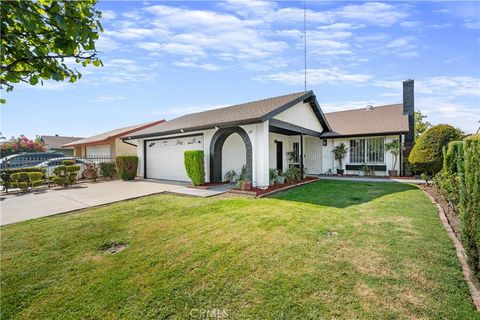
{"points": [[375, 150], [371, 150], [357, 151]]}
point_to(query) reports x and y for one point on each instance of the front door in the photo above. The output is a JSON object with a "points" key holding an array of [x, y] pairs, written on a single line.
{"points": [[279, 155]]}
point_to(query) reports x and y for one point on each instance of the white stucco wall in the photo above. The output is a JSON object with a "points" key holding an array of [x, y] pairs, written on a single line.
{"points": [[233, 154], [302, 115], [329, 162]]}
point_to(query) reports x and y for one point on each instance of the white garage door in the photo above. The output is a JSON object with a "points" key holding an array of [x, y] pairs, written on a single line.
{"points": [[165, 157], [99, 151]]}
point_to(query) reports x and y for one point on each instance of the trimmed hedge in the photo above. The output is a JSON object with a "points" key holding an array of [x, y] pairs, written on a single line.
{"points": [[427, 153], [194, 161], [5, 174], [459, 182], [127, 167], [65, 174], [108, 170], [470, 203]]}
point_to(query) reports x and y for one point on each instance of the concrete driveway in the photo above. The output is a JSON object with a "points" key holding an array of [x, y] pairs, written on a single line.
{"points": [[21, 207]]}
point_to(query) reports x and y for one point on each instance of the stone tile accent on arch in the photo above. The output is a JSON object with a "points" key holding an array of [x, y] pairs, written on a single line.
{"points": [[216, 146]]}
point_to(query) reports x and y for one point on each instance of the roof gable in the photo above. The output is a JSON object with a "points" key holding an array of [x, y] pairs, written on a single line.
{"points": [[245, 113]]}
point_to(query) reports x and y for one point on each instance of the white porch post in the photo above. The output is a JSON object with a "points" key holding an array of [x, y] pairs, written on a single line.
{"points": [[261, 155]]}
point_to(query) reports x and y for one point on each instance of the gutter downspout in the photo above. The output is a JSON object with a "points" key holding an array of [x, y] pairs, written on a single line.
{"points": [[123, 140]]}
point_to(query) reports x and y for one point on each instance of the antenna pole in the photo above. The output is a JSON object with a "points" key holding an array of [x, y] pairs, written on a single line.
{"points": [[305, 41]]}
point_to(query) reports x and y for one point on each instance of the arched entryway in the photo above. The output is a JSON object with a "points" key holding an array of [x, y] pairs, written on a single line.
{"points": [[216, 147]]}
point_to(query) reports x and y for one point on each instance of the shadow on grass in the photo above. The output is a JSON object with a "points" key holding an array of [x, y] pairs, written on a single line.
{"points": [[341, 194]]}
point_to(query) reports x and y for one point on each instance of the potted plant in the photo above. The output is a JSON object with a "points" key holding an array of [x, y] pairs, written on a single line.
{"points": [[280, 178], [339, 152], [273, 174], [231, 176], [243, 183], [394, 148]]}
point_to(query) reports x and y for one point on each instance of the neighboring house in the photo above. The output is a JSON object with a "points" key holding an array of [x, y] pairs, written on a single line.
{"points": [[273, 133], [55, 143], [108, 144]]}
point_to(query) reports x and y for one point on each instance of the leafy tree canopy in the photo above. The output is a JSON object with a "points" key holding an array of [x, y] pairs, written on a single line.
{"points": [[421, 125], [37, 36], [21, 144]]}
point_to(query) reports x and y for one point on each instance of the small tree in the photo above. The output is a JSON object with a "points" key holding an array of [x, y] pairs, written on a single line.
{"points": [[394, 148], [194, 161], [339, 152], [420, 125]]}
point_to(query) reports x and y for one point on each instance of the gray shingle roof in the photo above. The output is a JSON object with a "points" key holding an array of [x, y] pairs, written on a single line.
{"points": [[105, 136], [56, 142], [250, 112], [381, 120]]}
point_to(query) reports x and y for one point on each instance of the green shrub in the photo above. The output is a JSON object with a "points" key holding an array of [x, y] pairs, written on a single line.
{"points": [[65, 174], [475, 136], [90, 172], [20, 180], [5, 175], [194, 161], [453, 157], [469, 188], [68, 162], [448, 185], [108, 170], [127, 167], [292, 174], [36, 179], [426, 155]]}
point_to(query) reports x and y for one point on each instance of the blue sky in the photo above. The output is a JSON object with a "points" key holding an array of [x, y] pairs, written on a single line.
{"points": [[165, 59]]}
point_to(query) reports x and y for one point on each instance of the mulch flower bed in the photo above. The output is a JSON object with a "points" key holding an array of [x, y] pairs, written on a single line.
{"points": [[452, 217], [274, 188]]}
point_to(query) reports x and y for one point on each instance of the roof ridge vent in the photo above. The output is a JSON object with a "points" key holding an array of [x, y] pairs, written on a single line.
{"points": [[369, 107]]}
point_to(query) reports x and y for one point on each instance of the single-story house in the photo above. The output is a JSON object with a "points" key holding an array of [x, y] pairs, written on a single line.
{"points": [[55, 144], [274, 133], [109, 144]]}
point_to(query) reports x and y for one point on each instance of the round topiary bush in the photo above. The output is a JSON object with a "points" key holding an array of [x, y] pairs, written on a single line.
{"points": [[427, 156]]}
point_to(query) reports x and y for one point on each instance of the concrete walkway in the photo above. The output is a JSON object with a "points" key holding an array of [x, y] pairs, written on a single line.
{"points": [[20, 207], [366, 179]]}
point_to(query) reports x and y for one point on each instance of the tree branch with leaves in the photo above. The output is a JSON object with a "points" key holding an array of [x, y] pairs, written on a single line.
{"points": [[37, 37]]}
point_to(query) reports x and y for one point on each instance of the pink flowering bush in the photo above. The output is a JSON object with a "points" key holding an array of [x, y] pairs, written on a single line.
{"points": [[21, 144]]}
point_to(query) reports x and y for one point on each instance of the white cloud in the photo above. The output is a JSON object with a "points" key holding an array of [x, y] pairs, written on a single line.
{"points": [[105, 44], [193, 64], [315, 76], [173, 112], [375, 13], [106, 98], [472, 25], [108, 15], [411, 24]]}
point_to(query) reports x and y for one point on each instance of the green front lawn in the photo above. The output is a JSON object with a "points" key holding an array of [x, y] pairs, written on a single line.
{"points": [[331, 249]]}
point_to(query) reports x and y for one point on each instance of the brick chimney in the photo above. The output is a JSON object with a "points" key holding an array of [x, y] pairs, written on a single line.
{"points": [[409, 109]]}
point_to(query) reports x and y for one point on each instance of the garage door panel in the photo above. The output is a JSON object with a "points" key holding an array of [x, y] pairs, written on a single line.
{"points": [[165, 157], [98, 151]]}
